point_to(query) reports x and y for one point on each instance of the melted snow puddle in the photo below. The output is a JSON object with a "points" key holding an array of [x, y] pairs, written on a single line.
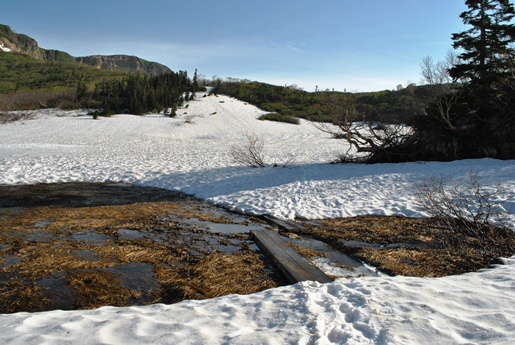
{"points": [[223, 228], [334, 263], [91, 237], [130, 234], [137, 276]]}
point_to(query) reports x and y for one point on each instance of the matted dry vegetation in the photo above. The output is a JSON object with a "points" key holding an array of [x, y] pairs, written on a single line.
{"points": [[411, 247], [140, 252], [81, 246]]}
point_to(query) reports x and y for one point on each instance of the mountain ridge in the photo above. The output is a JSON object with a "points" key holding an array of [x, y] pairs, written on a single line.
{"points": [[11, 41], [126, 62]]}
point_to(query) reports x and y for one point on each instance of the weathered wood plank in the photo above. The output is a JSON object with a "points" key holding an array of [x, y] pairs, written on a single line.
{"points": [[295, 267], [285, 224]]}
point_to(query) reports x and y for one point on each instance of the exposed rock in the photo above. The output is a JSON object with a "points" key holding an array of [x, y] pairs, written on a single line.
{"points": [[23, 44], [19, 43], [125, 62]]}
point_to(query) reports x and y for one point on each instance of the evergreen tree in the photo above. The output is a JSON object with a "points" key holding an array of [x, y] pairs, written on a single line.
{"points": [[487, 44], [138, 94], [476, 117], [81, 91], [194, 86]]}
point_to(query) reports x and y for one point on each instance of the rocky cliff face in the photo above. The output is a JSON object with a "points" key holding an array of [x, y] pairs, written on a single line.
{"points": [[23, 44], [125, 62], [19, 43], [13, 42]]}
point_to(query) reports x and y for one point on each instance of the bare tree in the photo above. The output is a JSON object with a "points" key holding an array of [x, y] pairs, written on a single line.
{"points": [[437, 73], [365, 138], [251, 153], [445, 91], [288, 160]]}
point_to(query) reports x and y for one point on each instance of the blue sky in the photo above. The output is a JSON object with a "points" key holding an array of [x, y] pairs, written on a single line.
{"points": [[357, 45]]}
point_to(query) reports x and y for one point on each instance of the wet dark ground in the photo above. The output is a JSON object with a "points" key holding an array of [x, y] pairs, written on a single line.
{"points": [[84, 245], [81, 195]]}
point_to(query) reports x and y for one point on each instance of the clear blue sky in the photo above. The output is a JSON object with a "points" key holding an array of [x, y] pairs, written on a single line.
{"points": [[358, 45]]}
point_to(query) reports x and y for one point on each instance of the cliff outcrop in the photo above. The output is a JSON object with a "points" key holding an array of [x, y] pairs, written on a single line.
{"points": [[125, 62], [11, 41]]}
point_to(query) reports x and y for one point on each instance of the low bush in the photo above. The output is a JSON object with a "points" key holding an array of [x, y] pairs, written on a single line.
{"points": [[468, 209], [280, 118], [251, 153]]}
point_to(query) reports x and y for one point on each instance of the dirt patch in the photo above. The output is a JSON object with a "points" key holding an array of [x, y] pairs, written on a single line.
{"points": [[81, 246], [411, 247], [8, 117]]}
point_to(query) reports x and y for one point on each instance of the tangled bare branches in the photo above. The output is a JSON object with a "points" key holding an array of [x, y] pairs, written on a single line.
{"points": [[365, 138], [251, 152], [445, 91], [468, 209]]}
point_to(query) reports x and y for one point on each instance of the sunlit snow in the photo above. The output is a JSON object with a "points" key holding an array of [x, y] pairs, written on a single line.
{"points": [[191, 153]]}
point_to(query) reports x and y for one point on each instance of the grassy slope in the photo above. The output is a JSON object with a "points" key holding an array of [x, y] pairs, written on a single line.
{"points": [[385, 106], [23, 73]]}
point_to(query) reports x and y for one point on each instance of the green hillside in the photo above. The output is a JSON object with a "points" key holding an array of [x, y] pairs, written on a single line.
{"points": [[382, 106], [30, 83], [23, 73], [33, 77]]}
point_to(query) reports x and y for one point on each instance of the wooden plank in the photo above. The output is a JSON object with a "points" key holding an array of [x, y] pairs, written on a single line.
{"points": [[295, 267], [285, 224]]}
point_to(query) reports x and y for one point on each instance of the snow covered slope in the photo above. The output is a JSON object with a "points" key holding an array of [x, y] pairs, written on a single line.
{"points": [[191, 153]]}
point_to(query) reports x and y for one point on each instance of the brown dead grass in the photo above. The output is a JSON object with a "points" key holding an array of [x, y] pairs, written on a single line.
{"points": [[40, 244], [18, 296], [422, 247], [309, 254], [96, 217], [220, 274], [98, 288], [44, 259]]}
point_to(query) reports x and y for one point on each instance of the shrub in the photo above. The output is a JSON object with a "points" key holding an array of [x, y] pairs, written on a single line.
{"points": [[467, 209], [252, 153], [280, 118]]}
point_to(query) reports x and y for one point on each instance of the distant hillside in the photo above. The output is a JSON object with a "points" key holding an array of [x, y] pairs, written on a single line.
{"points": [[383, 106], [23, 44], [19, 43], [124, 62], [33, 77], [24, 73]]}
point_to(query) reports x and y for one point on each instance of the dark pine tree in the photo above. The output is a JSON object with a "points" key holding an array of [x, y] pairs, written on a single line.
{"points": [[487, 71], [81, 91], [481, 106], [487, 50], [195, 86]]}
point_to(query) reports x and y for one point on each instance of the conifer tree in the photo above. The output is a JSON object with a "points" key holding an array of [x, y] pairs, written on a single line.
{"points": [[194, 86], [195, 81], [487, 44], [81, 91]]}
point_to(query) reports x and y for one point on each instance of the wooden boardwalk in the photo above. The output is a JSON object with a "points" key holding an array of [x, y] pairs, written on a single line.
{"points": [[288, 225], [295, 267]]}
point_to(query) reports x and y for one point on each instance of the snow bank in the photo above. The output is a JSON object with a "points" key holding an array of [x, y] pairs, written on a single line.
{"points": [[4, 49]]}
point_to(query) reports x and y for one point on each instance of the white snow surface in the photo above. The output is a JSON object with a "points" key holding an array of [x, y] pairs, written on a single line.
{"points": [[4, 49], [191, 153]]}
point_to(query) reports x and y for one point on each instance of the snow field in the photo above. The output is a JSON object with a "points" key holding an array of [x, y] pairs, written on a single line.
{"points": [[153, 150]]}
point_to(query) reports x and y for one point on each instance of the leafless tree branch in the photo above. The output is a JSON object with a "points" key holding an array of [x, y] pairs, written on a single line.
{"points": [[251, 153], [468, 208]]}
